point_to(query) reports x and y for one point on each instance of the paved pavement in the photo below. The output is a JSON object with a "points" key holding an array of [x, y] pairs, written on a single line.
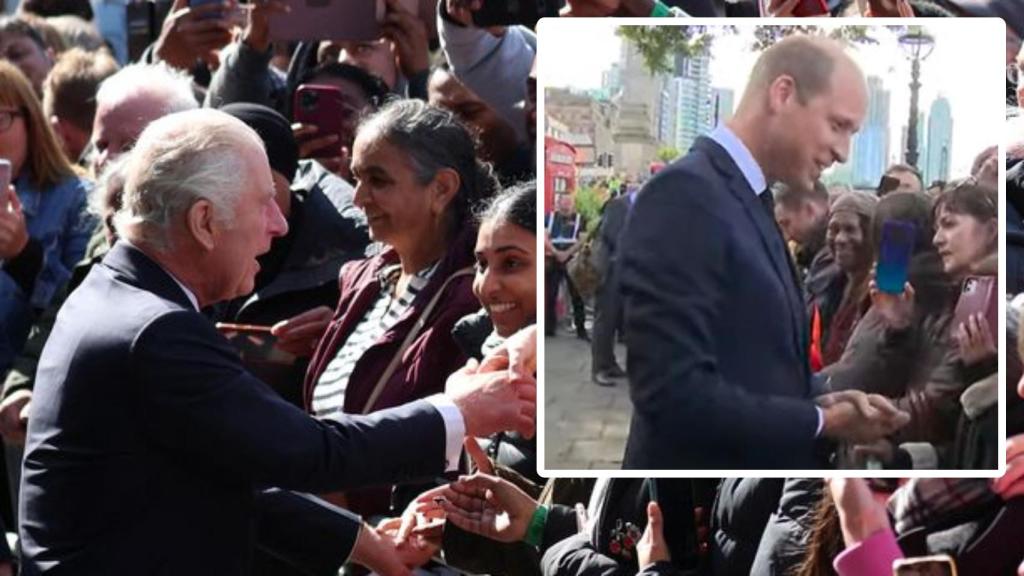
{"points": [[585, 425]]}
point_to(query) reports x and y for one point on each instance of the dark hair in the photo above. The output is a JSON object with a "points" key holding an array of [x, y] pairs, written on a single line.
{"points": [[791, 197], [434, 139], [928, 9], [905, 168], [48, 8], [968, 197], [19, 26], [376, 91], [516, 205], [912, 207]]}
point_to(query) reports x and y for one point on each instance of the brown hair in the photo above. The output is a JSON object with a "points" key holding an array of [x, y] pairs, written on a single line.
{"points": [[968, 197], [46, 160], [69, 91], [826, 541]]}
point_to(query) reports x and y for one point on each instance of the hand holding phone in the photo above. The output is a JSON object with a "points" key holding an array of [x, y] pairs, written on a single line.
{"points": [[937, 565], [894, 252]]}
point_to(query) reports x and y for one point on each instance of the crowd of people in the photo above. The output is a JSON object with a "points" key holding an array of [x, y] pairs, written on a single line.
{"points": [[237, 338]]}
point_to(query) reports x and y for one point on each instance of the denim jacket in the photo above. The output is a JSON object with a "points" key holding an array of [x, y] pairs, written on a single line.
{"points": [[57, 219]]}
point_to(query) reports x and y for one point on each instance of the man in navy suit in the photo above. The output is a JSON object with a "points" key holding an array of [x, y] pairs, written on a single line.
{"points": [[151, 450], [715, 325]]}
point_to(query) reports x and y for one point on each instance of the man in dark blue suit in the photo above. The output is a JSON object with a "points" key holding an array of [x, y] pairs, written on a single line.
{"points": [[151, 450], [715, 325]]}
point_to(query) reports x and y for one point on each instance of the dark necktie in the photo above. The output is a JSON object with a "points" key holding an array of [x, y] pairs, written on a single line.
{"points": [[768, 201]]}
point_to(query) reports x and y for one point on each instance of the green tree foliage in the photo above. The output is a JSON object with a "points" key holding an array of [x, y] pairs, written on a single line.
{"points": [[668, 153], [658, 45]]}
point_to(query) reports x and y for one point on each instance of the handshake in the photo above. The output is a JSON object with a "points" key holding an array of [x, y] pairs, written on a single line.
{"points": [[856, 417], [499, 393]]}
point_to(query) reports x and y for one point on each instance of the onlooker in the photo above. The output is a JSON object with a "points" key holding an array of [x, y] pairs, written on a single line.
{"points": [[22, 45], [909, 179], [390, 339], [128, 101], [69, 97], [803, 216], [44, 233], [565, 229]]}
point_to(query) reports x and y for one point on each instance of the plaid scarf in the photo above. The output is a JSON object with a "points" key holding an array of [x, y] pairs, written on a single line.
{"points": [[924, 501]]}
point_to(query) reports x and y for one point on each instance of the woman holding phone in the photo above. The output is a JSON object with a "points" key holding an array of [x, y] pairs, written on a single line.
{"points": [[930, 359], [44, 228]]}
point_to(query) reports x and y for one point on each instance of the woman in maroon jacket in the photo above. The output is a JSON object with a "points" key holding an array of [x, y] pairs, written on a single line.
{"points": [[389, 340]]}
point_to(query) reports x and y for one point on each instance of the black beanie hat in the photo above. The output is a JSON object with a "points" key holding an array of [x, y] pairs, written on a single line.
{"points": [[274, 130]]}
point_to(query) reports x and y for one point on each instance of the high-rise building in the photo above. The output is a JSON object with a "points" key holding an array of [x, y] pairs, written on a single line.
{"points": [[940, 142], [723, 104], [871, 144], [693, 102]]}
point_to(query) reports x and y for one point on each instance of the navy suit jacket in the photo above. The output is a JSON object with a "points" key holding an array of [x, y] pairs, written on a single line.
{"points": [[715, 326], [149, 443]]}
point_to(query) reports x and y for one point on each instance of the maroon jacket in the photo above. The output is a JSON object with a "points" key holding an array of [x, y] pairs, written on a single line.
{"points": [[430, 358]]}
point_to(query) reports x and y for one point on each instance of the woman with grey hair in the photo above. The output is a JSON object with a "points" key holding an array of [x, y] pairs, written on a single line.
{"points": [[390, 339]]}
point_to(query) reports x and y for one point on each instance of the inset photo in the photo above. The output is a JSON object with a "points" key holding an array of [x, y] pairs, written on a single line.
{"points": [[773, 247]]}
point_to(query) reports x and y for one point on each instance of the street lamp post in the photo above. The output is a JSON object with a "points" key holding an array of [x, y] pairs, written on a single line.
{"points": [[917, 45]]}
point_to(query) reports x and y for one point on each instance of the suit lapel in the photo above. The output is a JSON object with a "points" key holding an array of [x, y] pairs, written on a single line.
{"points": [[767, 229]]}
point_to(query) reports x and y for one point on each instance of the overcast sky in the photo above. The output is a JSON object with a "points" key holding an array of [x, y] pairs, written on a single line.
{"points": [[966, 67]]}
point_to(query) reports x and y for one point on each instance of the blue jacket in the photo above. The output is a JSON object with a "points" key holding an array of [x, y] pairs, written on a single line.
{"points": [[58, 221], [716, 330]]}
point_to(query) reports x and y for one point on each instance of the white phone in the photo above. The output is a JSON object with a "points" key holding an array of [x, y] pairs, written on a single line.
{"points": [[5, 179]]}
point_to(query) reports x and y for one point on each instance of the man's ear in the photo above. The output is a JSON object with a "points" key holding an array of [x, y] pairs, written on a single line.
{"points": [[781, 92], [201, 223], [443, 190]]}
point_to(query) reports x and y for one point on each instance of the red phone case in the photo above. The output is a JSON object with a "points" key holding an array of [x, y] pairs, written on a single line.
{"points": [[811, 8], [979, 295], [324, 107]]}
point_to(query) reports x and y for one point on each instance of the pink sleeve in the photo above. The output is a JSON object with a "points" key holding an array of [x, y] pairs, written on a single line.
{"points": [[872, 557]]}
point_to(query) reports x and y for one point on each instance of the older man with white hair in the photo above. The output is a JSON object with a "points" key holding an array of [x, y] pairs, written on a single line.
{"points": [[129, 100], [149, 444]]}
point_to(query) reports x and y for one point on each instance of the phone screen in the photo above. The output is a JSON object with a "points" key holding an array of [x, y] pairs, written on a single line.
{"points": [[894, 252]]}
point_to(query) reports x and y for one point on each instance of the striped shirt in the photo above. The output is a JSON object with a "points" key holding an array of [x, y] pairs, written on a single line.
{"points": [[329, 394]]}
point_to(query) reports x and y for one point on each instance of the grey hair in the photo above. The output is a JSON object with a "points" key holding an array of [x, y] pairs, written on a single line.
{"points": [[170, 88], [434, 139], [106, 195], [180, 159]]}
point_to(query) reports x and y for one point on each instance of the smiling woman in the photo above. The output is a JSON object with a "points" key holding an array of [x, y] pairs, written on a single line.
{"points": [[389, 342]]}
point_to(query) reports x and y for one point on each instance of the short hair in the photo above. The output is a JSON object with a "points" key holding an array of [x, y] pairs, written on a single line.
{"points": [[20, 26], [435, 139], [376, 90], [180, 159], [900, 167], [69, 91], [791, 197], [810, 61], [516, 205], [46, 8], [105, 199], [45, 35], [77, 33], [171, 88]]}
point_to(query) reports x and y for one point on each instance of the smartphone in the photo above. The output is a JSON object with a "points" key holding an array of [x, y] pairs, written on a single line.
{"points": [[894, 252], [237, 16], [510, 12], [887, 184], [5, 175], [810, 8], [937, 565], [978, 295], [652, 489], [326, 108], [311, 20]]}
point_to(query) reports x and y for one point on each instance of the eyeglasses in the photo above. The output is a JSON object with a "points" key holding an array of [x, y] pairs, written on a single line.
{"points": [[7, 118]]}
